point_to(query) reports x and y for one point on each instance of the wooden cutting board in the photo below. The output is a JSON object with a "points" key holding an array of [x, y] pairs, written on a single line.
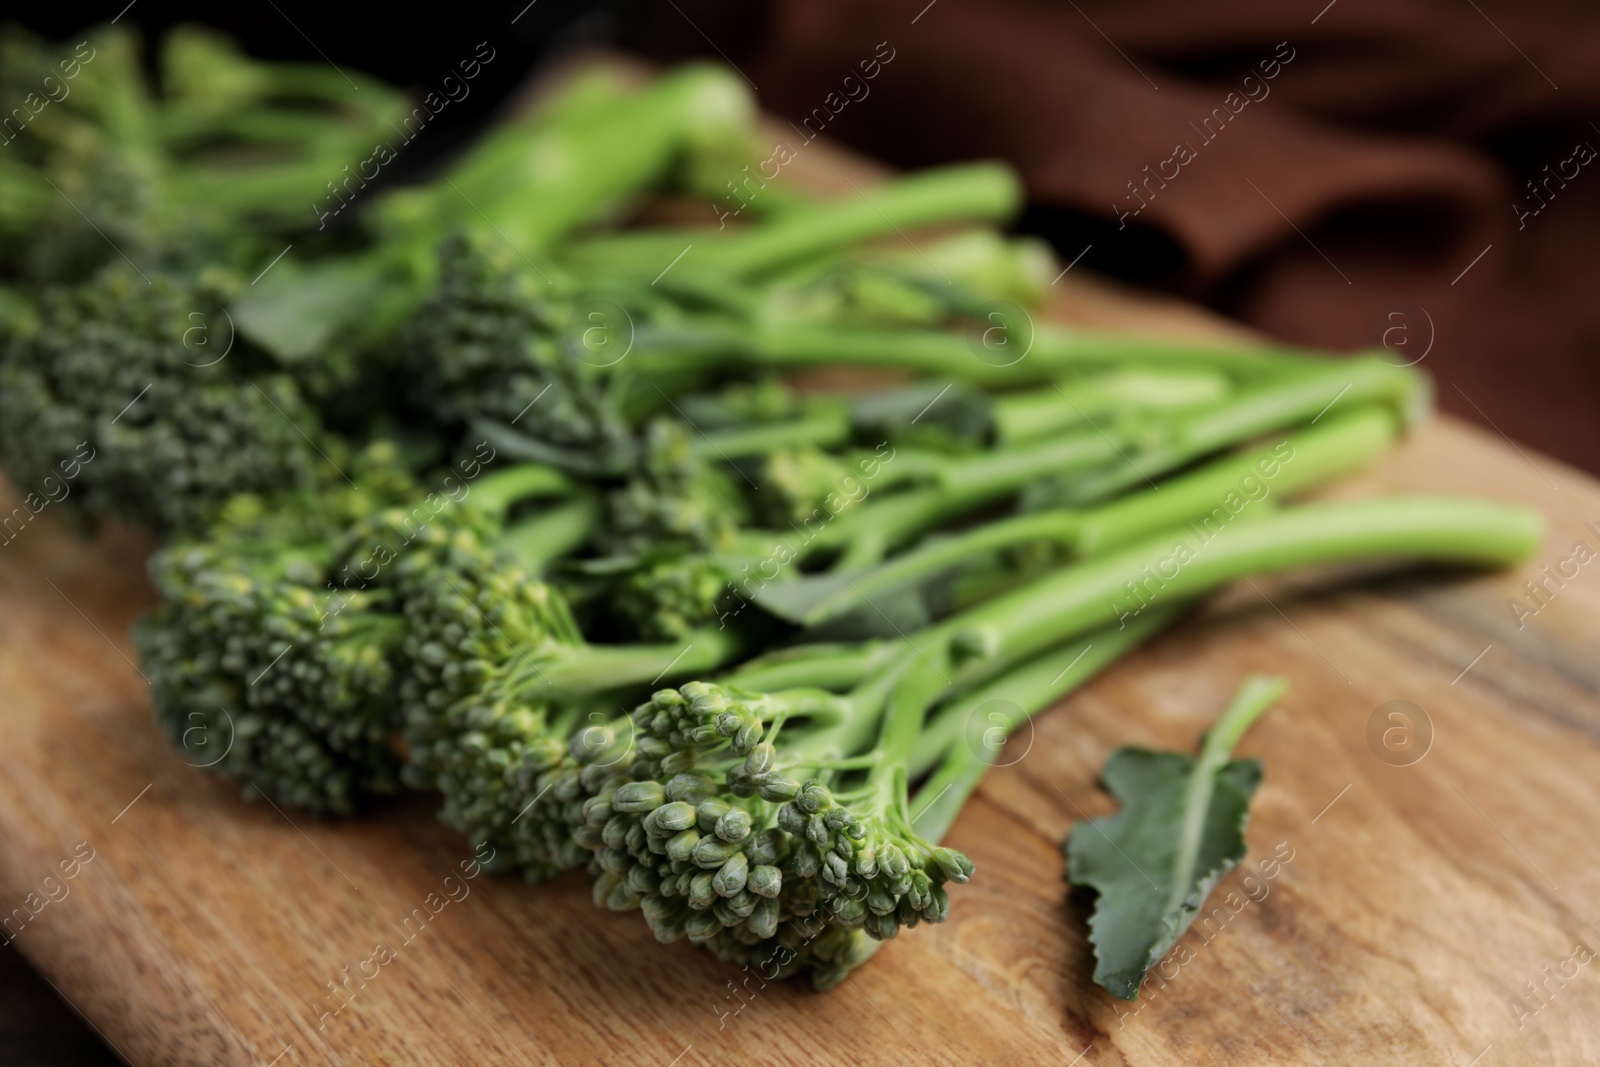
{"points": [[1415, 902]]}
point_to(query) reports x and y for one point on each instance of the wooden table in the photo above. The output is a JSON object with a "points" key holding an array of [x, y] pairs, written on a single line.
{"points": [[1418, 901]]}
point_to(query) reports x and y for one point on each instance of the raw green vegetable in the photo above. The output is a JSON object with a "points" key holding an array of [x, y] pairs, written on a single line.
{"points": [[1299, 462], [1180, 829]]}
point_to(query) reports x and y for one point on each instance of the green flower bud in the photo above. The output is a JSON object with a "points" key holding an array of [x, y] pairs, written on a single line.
{"points": [[778, 788], [713, 852], [603, 887], [638, 797], [953, 866], [849, 911], [791, 820], [621, 898], [643, 881], [702, 926], [768, 846], [813, 797], [880, 927], [615, 834], [692, 788], [674, 762], [672, 817], [805, 862], [734, 826], [682, 845], [763, 921], [765, 880], [938, 909], [710, 810], [702, 894], [760, 759], [747, 736], [670, 928], [731, 875]]}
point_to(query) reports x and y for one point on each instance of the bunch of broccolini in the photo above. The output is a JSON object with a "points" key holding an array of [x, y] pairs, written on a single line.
{"points": [[448, 499]]}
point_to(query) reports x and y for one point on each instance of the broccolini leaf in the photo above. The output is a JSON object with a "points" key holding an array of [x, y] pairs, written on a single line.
{"points": [[1181, 828]]}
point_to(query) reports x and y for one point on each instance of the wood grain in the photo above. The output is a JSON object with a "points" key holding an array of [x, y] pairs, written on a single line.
{"points": [[1417, 902]]}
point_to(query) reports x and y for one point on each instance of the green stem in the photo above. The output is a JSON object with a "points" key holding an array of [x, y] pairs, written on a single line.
{"points": [[1038, 413], [1178, 566], [595, 668], [1055, 352], [831, 666], [1261, 409], [554, 533], [968, 192], [824, 428], [497, 492], [1299, 462], [1258, 693], [1005, 704]]}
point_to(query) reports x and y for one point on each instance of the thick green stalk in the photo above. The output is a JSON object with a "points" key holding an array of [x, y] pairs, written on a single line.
{"points": [[552, 534], [964, 193], [595, 668], [495, 493], [967, 192], [828, 666], [1053, 353], [1178, 566], [824, 428], [1333, 388], [1299, 462], [1006, 703], [1038, 413]]}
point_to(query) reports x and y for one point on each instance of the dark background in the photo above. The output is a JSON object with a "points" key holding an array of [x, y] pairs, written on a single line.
{"points": [[1345, 209]]}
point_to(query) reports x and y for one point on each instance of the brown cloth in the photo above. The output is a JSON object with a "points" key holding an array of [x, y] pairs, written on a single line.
{"points": [[1416, 173]]}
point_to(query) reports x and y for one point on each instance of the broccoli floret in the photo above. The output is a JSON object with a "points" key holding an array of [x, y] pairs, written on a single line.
{"points": [[267, 668], [485, 346], [743, 812], [138, 376], [677, 497], [500, 677]]}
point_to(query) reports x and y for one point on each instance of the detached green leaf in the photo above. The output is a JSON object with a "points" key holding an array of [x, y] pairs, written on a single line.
{"points": [[1180, 829]]}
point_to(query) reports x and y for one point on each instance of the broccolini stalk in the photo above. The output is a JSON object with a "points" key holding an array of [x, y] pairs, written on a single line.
{"points": [[967, 192], [575, 162], [959, 742], [920, 491], [590, 162], [1120, 393], [958, 754], [777, 823], [264, 141], [1041, 352], [1170, 568], [950, 278], [499, 677], [1299, 462], [848, 843]]}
